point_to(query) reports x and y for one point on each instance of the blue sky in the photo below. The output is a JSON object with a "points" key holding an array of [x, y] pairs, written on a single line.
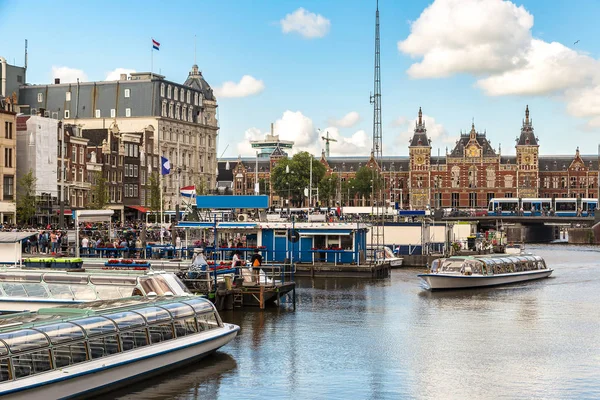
{"points": [[304, 84]]}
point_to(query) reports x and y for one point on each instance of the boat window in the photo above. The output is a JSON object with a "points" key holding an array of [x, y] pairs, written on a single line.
{"points": [[35, 290], [155, 284], [96, 325], [154, 314], [103, 346], [83, 292], [200, 305], [14, 289], [160, 333], [19, 277], [126, 319], [4, 370], [71, 279], [24, 339], [31, 363], [114, 292], [178, 310], [3, 349], [114, 280], [185, 326], [72, 353], [177, 287], [435, 265], [452, 266], [59, 291], [62, 332], [207, 322], [134, 339]]}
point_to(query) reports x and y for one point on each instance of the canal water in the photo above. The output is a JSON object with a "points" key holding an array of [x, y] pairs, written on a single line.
{"points": [[390, 339]]}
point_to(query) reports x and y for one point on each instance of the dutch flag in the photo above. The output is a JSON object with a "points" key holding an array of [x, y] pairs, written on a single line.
{"points": [[155, 45], [188, 191]]}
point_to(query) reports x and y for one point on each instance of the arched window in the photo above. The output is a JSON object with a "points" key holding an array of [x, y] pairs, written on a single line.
{"points": [[189, 95], [473, 177], [175, 94], [184, 113], [169, 92], [182, 96], [171, 110], [455, 176], [162, 90], [190, 115], [491, 177], [164, 108], [177, 114], [195, 99]]}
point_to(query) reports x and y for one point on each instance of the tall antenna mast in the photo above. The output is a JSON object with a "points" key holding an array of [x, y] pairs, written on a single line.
{"points": [[376, 97]]}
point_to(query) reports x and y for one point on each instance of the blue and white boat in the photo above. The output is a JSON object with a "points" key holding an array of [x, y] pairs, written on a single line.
{"points": [[84, 349], [461, 272]]}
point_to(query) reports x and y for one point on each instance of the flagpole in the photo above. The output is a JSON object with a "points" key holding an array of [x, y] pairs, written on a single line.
{"points": [[152, 59]]}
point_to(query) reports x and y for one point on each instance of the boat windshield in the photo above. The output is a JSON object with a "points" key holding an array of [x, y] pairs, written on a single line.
{"points": [[452, 266], [156, 283]]}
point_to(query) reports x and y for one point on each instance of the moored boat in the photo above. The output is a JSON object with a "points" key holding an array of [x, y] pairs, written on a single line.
{"points": [[30, 290], [460, 272], [82, 349]]}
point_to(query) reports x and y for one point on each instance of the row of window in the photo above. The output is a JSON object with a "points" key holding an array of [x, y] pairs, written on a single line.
{"points": [[130, 190], [60, 356], [185, 138], [40, 96], [8, 157], [181, 113], [8, 189], [179, 94], [131, 170]]}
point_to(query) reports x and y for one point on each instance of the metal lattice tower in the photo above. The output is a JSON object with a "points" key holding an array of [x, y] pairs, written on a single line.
{"points": [[377, 229]]}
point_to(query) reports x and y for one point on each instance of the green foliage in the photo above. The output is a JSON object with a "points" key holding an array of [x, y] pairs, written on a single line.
{"points": [[364, 180], [264, 186], [99, 192], [292, 184], [328, 189], [154, 181], [26, 198], [201, 188]]}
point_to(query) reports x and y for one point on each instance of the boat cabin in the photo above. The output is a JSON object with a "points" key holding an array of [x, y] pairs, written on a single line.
{"points": [[487, 265]]}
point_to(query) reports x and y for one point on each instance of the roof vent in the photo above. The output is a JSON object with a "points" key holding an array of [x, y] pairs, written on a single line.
{"points": [[56, 81]]}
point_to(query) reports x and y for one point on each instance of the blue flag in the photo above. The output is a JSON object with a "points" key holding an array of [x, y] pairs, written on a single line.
{"points": [[165, 166]]}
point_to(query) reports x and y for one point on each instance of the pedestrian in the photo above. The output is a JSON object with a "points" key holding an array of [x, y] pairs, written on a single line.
{"points": [[256, 262], [84, 245]]}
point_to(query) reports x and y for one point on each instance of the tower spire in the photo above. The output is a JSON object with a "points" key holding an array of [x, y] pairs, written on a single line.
{"points": [[527, 114], [376, 97], [420, 116]]}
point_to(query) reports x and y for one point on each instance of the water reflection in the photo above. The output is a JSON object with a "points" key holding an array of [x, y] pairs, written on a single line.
{"points": [[198, 380], [390, 339]]}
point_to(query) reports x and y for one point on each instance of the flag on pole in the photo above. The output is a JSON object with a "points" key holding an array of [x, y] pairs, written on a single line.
{"points": [[155, 45], [165, 166], [188, 191]]}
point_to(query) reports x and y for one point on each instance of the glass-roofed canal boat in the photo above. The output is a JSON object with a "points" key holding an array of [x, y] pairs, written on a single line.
{"points": [[459, 272], [30, 290], [79, 350]]}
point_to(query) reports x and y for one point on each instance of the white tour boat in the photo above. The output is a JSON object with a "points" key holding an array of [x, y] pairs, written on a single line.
{"points": [[461, 272], [96, 347], [30, 290], [383, 255]]}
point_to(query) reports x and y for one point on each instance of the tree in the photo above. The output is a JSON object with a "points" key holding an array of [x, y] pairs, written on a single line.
{"points": [[264, 186], [201, 187], [99, 192], [364, 180], [293, 183], [328, 189], [26, 198], [154, 181]]}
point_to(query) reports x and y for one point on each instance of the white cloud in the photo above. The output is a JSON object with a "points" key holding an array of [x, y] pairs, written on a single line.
{"points": [[68, 75], [472, 36], [307, 24], [295, 126], [347, 121], [492, 40], [549, 67], [115, 74], [435, 131], [400, 121], [358, 144], [247, 86]]}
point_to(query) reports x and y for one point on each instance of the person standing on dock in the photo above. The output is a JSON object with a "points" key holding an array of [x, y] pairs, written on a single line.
{"points": [[256, 262]]}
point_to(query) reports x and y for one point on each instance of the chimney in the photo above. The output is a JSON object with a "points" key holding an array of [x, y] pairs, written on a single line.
{"points": [[56, 81], [123, 77]]}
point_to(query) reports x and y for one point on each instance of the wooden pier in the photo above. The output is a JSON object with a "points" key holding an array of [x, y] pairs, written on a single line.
{"points": [[329, 270]]}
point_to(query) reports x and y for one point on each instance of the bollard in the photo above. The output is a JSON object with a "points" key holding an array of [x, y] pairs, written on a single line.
{"points": [[228, 282]]}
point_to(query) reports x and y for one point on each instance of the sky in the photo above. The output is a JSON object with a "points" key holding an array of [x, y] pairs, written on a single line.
{"points": [[307, 65]]}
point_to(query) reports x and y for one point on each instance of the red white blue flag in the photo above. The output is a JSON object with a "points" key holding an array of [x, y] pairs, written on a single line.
{"points": [[155, 45], [188, 191]]}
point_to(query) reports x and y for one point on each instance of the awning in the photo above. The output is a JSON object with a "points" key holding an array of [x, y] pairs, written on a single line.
{"points": [[325, 232], [141, 209], [13, 237], [66, 212]]}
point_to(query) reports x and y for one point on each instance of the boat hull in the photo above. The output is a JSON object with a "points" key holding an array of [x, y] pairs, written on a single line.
{"points": [[446, 282], [109, 373]]}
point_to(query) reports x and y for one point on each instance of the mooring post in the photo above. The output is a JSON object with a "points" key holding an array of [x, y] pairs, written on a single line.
{"points": [[261, 297]]}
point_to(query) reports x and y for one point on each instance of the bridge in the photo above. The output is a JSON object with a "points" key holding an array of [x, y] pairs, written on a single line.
{"points": [[527, 229]]}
